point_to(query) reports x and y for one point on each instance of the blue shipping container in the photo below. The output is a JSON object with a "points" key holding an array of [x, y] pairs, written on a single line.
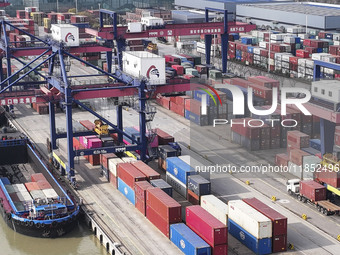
{"points": [[250, 49], [329, 36], [179, 169], [201, 120], [246, 40], [188, 241], [198, 96], [315, 143], [163, 185], [258, 246], [297, 40], [199, 185], [5, 181], [126, 191], [236, 36]]}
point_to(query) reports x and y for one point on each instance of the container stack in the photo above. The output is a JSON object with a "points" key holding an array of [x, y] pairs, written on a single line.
{"points": [[250, 227], [140, 195], [197, 187], [127, 176], [54, 17], [47, 25], [301, 159], [135, 44], [279, 223], [164, 152], [162, 210], [210, 229], [38, 18], [215, 207], [113, 166], [104, 163], [187, 241]]}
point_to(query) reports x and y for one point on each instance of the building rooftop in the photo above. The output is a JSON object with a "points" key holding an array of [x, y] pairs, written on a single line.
{"points": [[142, 54], [309, 8]]}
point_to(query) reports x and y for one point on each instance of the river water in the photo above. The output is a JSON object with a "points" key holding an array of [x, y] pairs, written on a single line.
{"points": [[80, 241]]}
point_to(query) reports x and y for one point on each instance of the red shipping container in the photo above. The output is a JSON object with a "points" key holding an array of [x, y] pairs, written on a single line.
{"points": [[43, 184], [146, 170], [179, 69], [179, 109], [307, 42], [297, 139], [104, 159], [94, 160], [334, 49], [163, 137], [87, 124], [206, 226], [302, 53], [30, 186], [313, 190], [180, 100], [129, 174], [279, 222], [245, 129], [140, 205], [156, 219], [281, 159], [221, 249], [296, 156], [259, 80], [113, 180], [193, 198], [279, 243], [168, 208], [328, 176], [140, 194], [262, 92], [75, 143], [38, 177]]}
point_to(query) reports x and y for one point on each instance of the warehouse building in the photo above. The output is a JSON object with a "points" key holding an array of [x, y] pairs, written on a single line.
{"points": [[315, 15], [190, 16], [229, 5]]}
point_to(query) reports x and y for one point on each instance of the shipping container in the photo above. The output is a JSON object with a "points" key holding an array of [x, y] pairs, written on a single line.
{"points": [[313, 190], [126, 190], [104, 158], [206, 226], [197, 165], [281, 159], [258, 246], [140, 193], [279, 222], [65, 33], [177, 185], [129, 174], [30, 186], [297, 139], [215, 207], [199, 185], [187, 241], [163, 185], [328, 176], [146, 170], [179, 169], [250, 219], [166, 206], [193, 198], [113, 163], [166, 151]]}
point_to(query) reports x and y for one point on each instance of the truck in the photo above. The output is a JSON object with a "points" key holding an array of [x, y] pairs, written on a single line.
{"points": [[312, 192]]}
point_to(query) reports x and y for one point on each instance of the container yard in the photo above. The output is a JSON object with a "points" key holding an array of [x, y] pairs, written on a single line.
{"points": [[141, 120]]}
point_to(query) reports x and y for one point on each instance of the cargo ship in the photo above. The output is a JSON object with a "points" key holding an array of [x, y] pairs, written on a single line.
{"points": [[31, 200]]}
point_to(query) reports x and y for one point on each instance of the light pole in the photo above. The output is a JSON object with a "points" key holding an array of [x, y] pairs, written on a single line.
{"points": [[76, 6]]}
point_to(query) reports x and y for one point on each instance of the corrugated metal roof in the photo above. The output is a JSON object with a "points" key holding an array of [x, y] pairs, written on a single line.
{"points": [[306, 8], [247, 1]]}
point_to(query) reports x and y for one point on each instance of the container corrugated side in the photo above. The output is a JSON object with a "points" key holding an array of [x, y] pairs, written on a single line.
{"points": [[176, 184], [215, 207], [113, 162], [250, 219], [126, 191], [258, 246], [179, 169], [187, 241]]}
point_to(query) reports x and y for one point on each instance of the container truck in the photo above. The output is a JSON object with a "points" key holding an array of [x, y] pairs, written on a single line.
{"points": [[314, 193]]}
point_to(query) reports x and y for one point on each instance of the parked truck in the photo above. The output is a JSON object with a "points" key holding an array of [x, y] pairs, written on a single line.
{"points": [[312, 192]]}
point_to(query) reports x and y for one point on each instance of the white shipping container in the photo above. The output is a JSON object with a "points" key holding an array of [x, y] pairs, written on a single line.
{"points": [[250, 219], [50, 193], [337, 43], [289, 39], [309, 63], [66, 33], [145, 64], [135, 27], [255, 33], [303, 36], [292, 30], [152, 21], [309, 71], [19, 187], [128, 159], [302, 62], [263, 45], [257, 51], [285, 57], [37, 194], [277, 37], [215, 207], [113, 162]]}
